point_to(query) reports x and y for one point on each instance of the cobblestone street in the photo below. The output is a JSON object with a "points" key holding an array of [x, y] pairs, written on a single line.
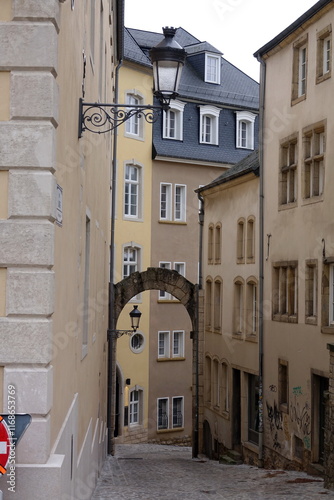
{"points": [[151, 472]]}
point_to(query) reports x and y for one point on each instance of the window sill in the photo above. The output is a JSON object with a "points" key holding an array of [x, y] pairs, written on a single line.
{"points": [[312, 199], [251, 337], [175, 429], [251, 446], [284, 408], [240, 260], [133, 136], [327, 329], [238, 335], [285, 318], [287, 206], [322, 78], [296, 100], [170, 359], [311, 320], [176, 223]]}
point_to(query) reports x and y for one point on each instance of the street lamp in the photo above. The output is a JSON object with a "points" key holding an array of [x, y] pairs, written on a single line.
{"points": [[135, 316], [168, 58]]}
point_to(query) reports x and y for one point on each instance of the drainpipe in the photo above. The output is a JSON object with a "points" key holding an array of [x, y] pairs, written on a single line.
{"points": [[196, 340], [261, 254], [111, 399]]}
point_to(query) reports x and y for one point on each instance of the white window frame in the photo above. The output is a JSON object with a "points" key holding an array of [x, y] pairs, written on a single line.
{"points": [[247, 119], [135, 187], [212, 113], [176, 132], [212, 72], [134, 408], [326, 54], [163, 295], [180, 200], [179, 352], [164, 336], [166, 400], [166, 203], [302, 70], [180, 267], [134, 125], [126, 262], [181, 400], [331, 294]]}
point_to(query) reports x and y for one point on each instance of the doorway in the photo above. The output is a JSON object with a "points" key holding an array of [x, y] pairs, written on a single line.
{"points": [[236, 410]]}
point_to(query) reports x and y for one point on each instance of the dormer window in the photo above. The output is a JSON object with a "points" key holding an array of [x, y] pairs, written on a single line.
{"points": [[173, 121], [245, 129], [209, 121], [212, 68]]}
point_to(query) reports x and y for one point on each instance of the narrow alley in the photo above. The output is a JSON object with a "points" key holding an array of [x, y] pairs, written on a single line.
{"points": [[150, 472]]}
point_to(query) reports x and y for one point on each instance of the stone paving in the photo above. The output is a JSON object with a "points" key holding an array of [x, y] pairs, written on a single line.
{"points": [[151, 472]]}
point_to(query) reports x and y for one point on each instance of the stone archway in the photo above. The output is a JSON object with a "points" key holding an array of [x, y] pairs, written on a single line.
{"points": [[157, 278]]}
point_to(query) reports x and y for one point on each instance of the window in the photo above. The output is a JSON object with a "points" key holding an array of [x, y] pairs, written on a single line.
{"points": [[134, 407], [245, 129], [217, 307], [311, 295], [177, 412], [132, 191], [180, 203], [163, 346], [208, 304], [92, 30], [129, 261], [250, 250], [314, 156], [238, 306], [224, 387], [285, 292], [169, 210], [283, 385], [165, 201], [207, 373], [216, 383], [331, 295], [253, 409], [299, 73], [218, 244], [163, 413], [288, 169], [180, 267], [178, 344], [137, 343], [134, 125], [324, 54], [241, 241], [251, 307], [173, 121], [163, 295], [327, 296], [209, 118], [212, 68], [210, 244]]}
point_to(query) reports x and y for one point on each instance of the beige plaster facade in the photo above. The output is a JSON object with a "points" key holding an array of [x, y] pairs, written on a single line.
{"points": [[55, 233], [298, 239], [230, 352]]}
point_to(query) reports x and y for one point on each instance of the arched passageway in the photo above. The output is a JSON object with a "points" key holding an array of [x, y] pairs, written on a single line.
{"points": [[188, 294]]}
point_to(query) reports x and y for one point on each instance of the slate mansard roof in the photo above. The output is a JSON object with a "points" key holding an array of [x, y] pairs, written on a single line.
{"points": [[236, 92], [236, 87]]}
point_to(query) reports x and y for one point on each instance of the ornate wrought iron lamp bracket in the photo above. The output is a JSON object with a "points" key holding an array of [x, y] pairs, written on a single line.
{"points": [[101, 118]]}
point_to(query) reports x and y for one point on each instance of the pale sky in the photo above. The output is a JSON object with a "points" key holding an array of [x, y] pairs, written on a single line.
{"points": [[235, 27]]}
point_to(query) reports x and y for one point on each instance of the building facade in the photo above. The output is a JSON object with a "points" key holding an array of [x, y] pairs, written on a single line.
{"points": [[208, 128], [230, 352], [297, 238], [55, 234]]}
